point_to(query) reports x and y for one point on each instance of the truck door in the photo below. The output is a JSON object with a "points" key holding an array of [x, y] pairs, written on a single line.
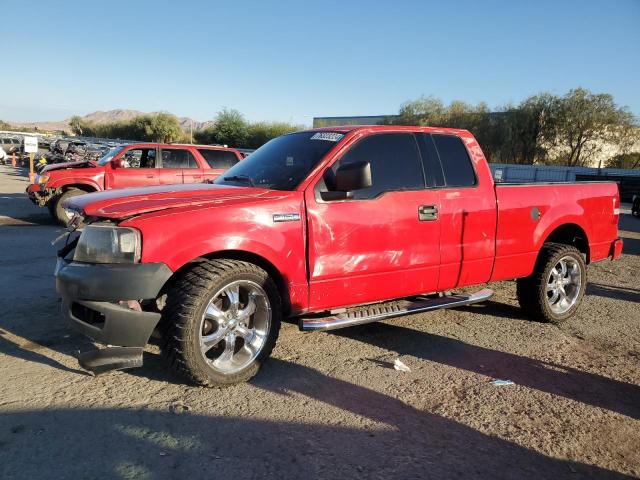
{"points": [[137, 169], [467, 210], [385, 242], [178, 165]]}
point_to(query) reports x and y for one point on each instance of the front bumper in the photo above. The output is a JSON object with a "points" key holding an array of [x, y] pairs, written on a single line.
{"points": [[91, 292], [39, 194]]}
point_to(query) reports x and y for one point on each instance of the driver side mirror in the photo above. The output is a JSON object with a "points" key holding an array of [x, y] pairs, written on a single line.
{"points": [[117, 163], [349, 178]]}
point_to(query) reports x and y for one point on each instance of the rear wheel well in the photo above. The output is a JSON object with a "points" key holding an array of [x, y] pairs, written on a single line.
{"points": [[249, 257], [570, 234]]}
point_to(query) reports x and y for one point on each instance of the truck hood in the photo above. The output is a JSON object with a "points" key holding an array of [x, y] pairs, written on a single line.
{"points": [[129, 202], [62, 166]]}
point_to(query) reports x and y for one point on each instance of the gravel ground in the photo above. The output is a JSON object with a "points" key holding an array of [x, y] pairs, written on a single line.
{"points": [[327, 405]]}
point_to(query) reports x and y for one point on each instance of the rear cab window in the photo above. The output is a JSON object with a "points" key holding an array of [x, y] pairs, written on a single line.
{"points": [[218, 159], [456, 165], [178, 158]]}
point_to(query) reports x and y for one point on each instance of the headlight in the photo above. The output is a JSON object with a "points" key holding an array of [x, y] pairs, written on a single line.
{"points": [[108, 244], [42, 179]]}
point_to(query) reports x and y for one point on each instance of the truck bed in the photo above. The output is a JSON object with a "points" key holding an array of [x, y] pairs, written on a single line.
{"points": [[529, 212]]}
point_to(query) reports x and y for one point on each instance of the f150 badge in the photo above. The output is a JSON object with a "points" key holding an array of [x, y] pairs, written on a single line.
{"points": [[286, 217]]}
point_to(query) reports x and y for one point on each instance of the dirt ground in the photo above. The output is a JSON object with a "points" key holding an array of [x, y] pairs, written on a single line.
{"points": [[327, 405]]}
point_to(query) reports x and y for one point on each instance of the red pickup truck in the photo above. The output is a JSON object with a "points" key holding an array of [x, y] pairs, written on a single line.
{"points": [[134, 165], [331, 227]]}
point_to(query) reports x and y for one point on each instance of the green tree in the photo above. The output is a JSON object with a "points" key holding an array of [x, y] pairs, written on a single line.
{"points": [[626, 160], [543, 128], [205, 136], [165, 128], [230, 128], [76, 125], [424, 111], [583, 122], [431, 111], [527, 129], [261, 132]]}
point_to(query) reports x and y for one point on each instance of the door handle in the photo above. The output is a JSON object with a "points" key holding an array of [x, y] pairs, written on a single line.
{"points": [[151, 176], [427, 213]]}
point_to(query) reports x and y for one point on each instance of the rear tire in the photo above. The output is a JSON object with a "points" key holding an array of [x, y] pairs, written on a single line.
{"points": [[554, 291], [56, 207], [208, 339]]}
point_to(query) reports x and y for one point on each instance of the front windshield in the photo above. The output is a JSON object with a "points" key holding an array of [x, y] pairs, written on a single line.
{"points": [[106, 158], [282, 163]]}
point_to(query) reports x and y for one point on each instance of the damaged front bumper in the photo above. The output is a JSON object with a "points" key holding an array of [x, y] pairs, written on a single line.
{"points": [[97, 300], [39, 194]]}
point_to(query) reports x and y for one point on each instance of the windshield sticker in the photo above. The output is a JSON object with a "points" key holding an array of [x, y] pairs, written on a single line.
{"points": [[328, 136]]}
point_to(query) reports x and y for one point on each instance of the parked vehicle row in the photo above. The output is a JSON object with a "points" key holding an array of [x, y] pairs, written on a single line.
{"points": [[10, 144], [330, 227], [13, 146], [133, 165]]}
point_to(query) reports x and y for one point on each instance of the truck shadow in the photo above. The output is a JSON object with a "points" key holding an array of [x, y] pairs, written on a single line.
{"points": [[15, 171], [130, 443], [30, 350], [629, 231], [33, 343], [631, 245], [588, 388], [495, 309], [616, 293], [629, 223], [19, 211]]}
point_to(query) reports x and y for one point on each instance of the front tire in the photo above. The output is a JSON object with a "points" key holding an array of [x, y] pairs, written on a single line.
{"points": [[222, 320], [554, 291], [59, 213]]}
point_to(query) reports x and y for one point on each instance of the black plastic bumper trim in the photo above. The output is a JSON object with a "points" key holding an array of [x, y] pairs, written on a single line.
{"points": [[111, 358], [121, 326], [110, 282]]}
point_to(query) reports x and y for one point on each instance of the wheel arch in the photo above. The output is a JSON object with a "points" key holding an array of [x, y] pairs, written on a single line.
{"points": [[86, 187], [245, 256], [569, 234]]}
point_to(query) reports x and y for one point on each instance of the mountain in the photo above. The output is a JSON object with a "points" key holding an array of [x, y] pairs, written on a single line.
{"points": [[110, 116]]}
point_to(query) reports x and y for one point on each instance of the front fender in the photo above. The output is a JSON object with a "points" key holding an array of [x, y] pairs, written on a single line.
{"points": [[280, 260], [70, 182], [178, 236]]}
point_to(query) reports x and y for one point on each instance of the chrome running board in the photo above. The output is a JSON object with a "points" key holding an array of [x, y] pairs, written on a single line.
{"points": [[382, 311]]}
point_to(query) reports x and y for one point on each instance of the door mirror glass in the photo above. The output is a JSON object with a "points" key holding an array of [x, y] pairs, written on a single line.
{"points": [[349, 178], [353, 176]]}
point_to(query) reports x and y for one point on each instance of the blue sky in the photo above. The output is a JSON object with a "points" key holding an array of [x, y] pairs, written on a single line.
{"points": [[293, 60]]}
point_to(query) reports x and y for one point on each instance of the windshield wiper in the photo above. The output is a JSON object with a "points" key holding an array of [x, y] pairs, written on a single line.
{"points": [[240, 178]]}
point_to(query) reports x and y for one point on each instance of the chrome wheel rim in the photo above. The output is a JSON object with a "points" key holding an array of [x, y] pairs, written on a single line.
{"points": [[564, 285], [234, 327]]}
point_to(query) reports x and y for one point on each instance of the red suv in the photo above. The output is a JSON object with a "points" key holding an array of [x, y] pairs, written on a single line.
{"points": [[134, 165]]}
